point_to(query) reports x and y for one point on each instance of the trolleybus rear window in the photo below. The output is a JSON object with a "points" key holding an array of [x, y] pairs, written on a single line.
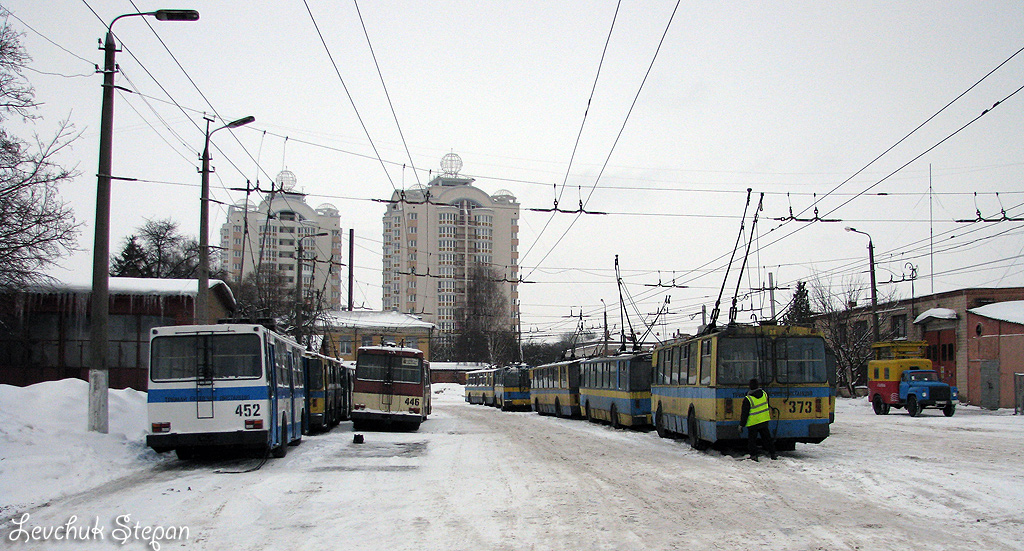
{"points": [[177, 357], [403, 369], [796, 360], [801, 360]]}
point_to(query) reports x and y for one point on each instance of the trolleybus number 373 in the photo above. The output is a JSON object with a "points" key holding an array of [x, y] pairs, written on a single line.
{"points": [[248, 410], [801, 406]]}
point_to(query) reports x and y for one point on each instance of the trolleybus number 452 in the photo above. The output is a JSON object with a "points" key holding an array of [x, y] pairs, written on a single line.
{"points": [[248, 410]]}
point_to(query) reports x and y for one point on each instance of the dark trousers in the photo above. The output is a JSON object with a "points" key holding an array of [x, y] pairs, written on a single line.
{"points": [[766, 438]]}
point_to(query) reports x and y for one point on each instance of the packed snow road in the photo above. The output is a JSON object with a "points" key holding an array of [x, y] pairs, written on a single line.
{"points": [[476, 478]]}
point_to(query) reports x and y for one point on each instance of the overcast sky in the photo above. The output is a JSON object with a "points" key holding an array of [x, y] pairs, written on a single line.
{"points": [[791, 99]]}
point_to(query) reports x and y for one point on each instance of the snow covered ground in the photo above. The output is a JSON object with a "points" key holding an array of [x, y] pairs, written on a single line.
{"points": [[474, 477]]}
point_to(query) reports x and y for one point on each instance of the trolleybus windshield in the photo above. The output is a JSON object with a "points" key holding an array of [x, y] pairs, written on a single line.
{"points": [[796, 360], [178, 357], [376, 367]]}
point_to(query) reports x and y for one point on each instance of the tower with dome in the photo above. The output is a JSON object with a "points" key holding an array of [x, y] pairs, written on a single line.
{"points": [[435, 235], [265, 237]]}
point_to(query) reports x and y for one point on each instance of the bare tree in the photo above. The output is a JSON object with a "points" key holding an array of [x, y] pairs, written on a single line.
{"points": [[36, 227], [847, 329], [484, 326]]}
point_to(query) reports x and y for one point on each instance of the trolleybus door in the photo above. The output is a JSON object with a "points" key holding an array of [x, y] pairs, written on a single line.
{"points": [[387, 386], [271, 373], [204, 381]]}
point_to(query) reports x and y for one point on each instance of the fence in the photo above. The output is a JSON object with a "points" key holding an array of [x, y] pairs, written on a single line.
{"points": [[1018, 393]]}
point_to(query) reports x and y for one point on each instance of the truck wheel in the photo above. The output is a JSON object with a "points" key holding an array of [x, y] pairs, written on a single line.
{"points": [[912, 408], [949, 410], [879, 406]]}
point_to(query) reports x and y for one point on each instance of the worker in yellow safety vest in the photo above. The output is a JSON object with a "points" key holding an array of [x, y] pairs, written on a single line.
{"points": [[755, 415]]}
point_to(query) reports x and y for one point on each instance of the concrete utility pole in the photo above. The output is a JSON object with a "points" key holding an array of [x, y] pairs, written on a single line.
{"points": [[298, 283], [202, 310], [874, 292], [99, 306]]}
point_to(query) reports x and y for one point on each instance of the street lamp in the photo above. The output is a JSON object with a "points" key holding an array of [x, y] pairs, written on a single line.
{"points": [[202, 310], [874, 292], [298, 284], [99, 304]]}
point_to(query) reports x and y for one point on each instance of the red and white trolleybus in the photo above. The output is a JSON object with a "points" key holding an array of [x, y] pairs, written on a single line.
{"points": [[391, 386]]}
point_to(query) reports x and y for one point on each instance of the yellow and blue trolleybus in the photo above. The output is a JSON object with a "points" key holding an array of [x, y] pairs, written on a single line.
{"points": [[699, 384], [617, 389], [555, 388]]}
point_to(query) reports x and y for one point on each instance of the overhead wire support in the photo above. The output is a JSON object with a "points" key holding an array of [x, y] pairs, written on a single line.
{"points": [[792, 218], [1002, 218]]}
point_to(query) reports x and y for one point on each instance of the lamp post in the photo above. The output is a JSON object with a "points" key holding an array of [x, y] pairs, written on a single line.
{"points": [[202, 309], [874, 293], [298, 285], [99, 304]]}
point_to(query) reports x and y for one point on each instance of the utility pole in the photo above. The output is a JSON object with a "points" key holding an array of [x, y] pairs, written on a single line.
{"points": [[99, 305]]}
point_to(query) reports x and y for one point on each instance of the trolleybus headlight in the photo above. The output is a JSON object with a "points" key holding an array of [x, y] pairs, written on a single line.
{"points": [[254, 424], [161, 427], [817, 405]]}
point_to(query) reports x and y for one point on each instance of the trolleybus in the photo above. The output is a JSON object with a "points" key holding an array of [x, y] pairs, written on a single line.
{"points": [[700, 382], [512, 387], [480, 386], [617, 389], [328, 390], [555, 388], [221, 386], [391, 386]]}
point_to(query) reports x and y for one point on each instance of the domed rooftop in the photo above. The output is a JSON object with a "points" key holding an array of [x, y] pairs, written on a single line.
{"points": [[286, 180]]}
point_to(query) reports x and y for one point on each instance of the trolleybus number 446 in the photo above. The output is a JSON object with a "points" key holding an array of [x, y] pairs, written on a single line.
{"points": [[412, 401], [248, 410]]}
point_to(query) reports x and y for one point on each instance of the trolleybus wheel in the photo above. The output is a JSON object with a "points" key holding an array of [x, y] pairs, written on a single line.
{"points": [[282, 450], [614, 417], [949, 410], [659, 423], [912, 408], [692, 432]]}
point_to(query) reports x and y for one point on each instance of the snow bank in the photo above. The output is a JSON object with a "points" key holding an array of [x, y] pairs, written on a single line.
{"points": [[47, 452]]}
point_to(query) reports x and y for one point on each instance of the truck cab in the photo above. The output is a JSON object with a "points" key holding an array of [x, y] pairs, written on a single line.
{"points": [[900, 376], [922, 388]]}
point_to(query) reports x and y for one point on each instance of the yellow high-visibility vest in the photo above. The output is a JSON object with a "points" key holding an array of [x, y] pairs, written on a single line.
{"points": [[758, 410]]}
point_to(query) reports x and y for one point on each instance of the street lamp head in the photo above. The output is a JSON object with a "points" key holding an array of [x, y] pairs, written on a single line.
{"points": [[176, 15], [848, 228], [241, 122]]}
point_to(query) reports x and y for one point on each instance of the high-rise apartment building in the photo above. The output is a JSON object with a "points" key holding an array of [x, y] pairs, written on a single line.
{"points": [[272, 235], [436, 236]]}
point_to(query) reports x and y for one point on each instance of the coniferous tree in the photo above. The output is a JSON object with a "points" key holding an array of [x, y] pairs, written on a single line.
{"points": [[799, 312]]}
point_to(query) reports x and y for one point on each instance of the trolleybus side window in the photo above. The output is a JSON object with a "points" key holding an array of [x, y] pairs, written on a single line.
{"points": [[226, 356], [691, 362], [739, 360], [705, 362]]}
